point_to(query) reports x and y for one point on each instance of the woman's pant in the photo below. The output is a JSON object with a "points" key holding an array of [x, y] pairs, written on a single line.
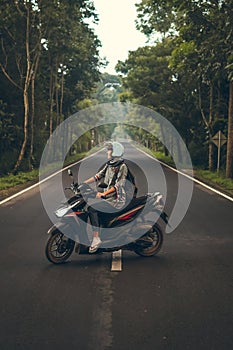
{"points": [[99, 207]]}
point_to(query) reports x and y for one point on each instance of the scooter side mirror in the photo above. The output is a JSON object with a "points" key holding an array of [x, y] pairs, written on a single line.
{"points": [[70, 172]]}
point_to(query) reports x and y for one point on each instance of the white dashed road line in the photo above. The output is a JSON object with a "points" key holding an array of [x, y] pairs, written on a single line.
{"points": [[116, 261], [117, 256]]}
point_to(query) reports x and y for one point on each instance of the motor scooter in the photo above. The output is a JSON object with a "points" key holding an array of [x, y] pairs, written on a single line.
{"points": [[126, 229]]}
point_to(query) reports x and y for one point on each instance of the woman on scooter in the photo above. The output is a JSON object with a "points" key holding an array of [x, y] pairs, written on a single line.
{"points": [[114, 175]]}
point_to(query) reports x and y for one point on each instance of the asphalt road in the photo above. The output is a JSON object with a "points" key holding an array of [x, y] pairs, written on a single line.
{"points": [[181, 299]]}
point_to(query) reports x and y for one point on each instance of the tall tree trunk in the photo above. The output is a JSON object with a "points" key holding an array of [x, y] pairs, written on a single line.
{"points": [[62, 93], [25, 94], [163, 133], [229, 162], [26, 73], [25, 130], [33, 108], [51, 101], [65, 133], [57, 88], [211, 118], [208, 123], [32, 121]]}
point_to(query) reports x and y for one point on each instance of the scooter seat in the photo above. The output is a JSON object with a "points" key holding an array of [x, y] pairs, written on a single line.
{"points": [[104, 218]]}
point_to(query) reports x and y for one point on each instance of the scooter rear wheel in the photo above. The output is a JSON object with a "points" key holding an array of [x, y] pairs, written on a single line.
{"points": [[59, 248], [156, 237]]}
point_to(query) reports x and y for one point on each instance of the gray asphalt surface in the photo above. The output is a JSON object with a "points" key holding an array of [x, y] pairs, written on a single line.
{"points": [[181, 299]]}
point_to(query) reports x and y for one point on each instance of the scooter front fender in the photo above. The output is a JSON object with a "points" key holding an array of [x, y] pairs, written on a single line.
{"points": [[53, 228], [72, 229]]}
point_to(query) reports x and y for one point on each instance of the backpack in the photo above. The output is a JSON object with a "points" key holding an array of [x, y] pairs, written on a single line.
{"points": [[134, 190], [130, 185]]}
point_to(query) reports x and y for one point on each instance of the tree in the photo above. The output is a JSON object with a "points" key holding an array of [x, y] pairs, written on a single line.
{"points": [[207, 27], [152, 82], [228, 10], [72, 56], [108, 88], [229, 164], [49, 59], [25, 45]]}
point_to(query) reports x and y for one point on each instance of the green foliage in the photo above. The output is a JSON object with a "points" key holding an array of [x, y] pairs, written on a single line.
{"points": [[155, 16], [152, 82], [108, 88], [7, 131], [63, 60], [14, 180], [216, 180], [163, 158], [185, 74], [148, 74], [126, 96]]}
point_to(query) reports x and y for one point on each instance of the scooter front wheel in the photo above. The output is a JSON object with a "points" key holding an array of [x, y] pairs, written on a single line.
{"points": [[59, 248]]}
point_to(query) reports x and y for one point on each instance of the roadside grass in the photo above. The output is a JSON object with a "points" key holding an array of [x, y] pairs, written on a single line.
{"points": [[157, 154], [213, 179], [219, 181], [52, 168], [11, 180], [160, 156]]}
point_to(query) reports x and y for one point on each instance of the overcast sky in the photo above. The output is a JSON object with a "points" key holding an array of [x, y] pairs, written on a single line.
{"points": [[116, 30]]}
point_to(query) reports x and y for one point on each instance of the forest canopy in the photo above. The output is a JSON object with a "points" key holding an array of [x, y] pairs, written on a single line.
{"points": [[186, 73]]}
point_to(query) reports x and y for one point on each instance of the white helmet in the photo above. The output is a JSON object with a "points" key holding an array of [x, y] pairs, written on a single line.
{"points": [[117, 149]]}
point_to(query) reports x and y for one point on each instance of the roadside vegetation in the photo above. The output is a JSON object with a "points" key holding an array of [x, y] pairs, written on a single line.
{"points": [[50, 69], [186, 73], [213, 179], [29, 177], [11, 180], [218, 181]]}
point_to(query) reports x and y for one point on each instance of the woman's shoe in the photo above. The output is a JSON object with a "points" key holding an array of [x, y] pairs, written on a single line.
{"points": [[95, 244]]}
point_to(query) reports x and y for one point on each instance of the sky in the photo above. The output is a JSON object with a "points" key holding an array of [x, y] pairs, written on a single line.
{"points": [[116, 30]]}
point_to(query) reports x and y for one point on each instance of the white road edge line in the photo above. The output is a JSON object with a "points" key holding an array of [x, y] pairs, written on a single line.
{"points": [[148, 155], [191, 178], [116, 261], [42, 181]]}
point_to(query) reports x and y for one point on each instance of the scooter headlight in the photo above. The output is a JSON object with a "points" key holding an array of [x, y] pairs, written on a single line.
{"points": [[61, 211]]}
